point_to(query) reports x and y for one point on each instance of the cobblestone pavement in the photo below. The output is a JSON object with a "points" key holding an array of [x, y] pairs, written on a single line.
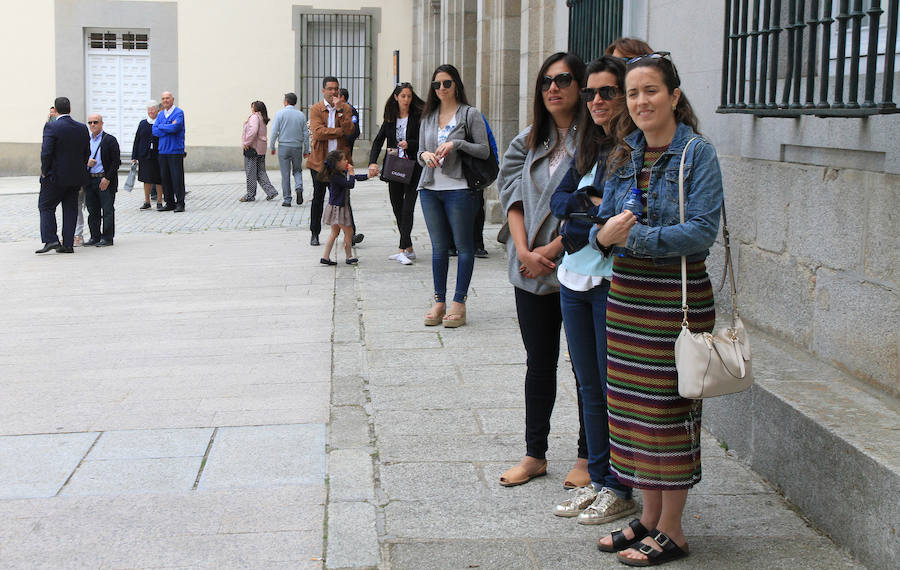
{"points": [[205, 396]]}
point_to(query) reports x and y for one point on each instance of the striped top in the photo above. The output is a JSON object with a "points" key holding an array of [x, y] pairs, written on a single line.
{"points": [[651, 155]]}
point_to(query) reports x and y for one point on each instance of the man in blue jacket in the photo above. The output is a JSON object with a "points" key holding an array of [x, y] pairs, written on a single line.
{"points": [[169, 127], [64, 156]]}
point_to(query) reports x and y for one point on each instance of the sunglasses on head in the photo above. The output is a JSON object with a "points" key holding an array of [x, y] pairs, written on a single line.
{"points": [[607, 93], [446, 83], [562, 81], [654, 55]]}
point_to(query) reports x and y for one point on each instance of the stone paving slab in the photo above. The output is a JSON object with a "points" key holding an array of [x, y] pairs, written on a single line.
{"points": [[39, 465], [120, 476]]}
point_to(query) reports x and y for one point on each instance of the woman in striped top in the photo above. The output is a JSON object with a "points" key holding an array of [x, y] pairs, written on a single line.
{"points": [[654, 433]]}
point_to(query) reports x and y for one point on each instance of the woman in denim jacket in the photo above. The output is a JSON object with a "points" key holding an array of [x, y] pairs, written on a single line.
{"points": [[654, 433], [533, 165]]}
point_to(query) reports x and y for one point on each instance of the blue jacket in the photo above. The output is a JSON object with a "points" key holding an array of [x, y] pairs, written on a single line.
{"points": [[170, 131], [568, 199], [65, 152], [664, 238]]}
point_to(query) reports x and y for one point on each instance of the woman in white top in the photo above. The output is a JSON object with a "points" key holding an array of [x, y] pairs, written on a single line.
{"points": [[449, 205]]}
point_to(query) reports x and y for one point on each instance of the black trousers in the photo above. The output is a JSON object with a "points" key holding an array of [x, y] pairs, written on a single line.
{"points": [[49, 198], [171, 169], [540, 321], [403, 202], [100, 205], [318, 205]]}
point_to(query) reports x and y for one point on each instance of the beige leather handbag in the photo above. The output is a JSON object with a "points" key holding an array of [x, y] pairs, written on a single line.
{"points": [[717, 363]]}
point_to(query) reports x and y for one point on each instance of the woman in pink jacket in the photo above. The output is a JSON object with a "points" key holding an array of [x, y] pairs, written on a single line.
{"points": [[254, 141]]}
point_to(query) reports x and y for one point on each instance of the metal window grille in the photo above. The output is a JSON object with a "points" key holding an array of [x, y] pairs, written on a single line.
{"points": [[593, 25], [829, 47], [112, 40], [339, 45]]}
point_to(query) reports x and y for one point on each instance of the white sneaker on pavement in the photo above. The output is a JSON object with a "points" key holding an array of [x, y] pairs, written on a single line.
{"points": [[403, 259]]}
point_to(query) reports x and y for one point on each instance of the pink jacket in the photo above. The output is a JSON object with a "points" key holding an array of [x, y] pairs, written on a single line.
{"points": [[255, 133]]}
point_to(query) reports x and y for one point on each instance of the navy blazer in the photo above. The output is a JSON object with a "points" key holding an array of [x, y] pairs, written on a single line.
{"points": [[146, 145], [111, 158], [65, 152]]}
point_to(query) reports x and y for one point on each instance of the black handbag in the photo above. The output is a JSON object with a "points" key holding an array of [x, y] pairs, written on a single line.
{"points": [[479, 172], [397, 169], [250, 152]]}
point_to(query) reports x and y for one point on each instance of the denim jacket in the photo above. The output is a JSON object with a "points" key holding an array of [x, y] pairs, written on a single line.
{"points": [[664, 238]]}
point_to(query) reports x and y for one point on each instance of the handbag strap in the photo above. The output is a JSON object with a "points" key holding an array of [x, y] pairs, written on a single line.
{"points": [[729, 266]]}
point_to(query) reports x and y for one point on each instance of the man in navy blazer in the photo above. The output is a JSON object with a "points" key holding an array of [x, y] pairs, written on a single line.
{"points": [[64, 155], [100, 192]]}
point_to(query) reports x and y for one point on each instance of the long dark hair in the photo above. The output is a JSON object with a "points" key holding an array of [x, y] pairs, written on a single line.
{"points": [[684, 113], [432, 102], [260, 107], [392, 108], [595, 138], [542, 121], [330, 165]]}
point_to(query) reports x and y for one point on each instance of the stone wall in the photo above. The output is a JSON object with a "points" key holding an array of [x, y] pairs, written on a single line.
{"points": [[817, 253]]}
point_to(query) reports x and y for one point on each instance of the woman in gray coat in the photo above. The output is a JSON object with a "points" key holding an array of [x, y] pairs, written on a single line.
{"points": [[449, 205], [535, 163]]}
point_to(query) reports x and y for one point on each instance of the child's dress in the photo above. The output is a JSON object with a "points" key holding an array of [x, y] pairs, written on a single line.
{"points": [[337, 211]]}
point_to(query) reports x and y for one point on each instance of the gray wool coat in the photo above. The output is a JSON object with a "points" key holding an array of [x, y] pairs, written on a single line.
{"points": [[479, 147], [525, 177]]}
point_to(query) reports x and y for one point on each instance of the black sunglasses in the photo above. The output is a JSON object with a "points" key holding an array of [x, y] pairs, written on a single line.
{"points": [[93, 122], [654, 55], [607, 93], [562, 81], [446, 83]]}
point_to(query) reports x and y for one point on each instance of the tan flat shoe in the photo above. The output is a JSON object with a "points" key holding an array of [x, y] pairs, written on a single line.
{"points": [[577, 477], [518, 475], [435, 316]]}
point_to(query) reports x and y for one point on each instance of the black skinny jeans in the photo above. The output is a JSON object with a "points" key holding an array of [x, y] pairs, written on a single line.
{"points": [[403, 203], [540, 321]]}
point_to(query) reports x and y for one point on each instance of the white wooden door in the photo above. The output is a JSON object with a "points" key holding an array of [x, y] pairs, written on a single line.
{"points": [[118, 87]]}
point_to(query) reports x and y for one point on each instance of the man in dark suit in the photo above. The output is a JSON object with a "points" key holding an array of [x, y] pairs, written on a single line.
{"points": [[64, 154], [100, 192]]}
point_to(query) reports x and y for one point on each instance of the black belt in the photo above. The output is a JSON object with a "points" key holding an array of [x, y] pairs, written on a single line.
{"points": [[96, 175]]}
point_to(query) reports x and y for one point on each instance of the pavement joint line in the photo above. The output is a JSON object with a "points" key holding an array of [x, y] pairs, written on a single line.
{"points": [[209, 445], [80, 462]]}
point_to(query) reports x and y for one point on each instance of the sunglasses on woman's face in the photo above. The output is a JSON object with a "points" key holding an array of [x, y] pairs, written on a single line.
{"points": [[607, 93], [562, 81], [437, 84]]}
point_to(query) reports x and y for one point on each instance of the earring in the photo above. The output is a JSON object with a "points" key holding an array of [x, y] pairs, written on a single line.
{"points": [[673, 107]]}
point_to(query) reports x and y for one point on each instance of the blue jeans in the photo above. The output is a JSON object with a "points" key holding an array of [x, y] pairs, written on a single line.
{"points": [[584, 316], [449, 215], [290, 160]]}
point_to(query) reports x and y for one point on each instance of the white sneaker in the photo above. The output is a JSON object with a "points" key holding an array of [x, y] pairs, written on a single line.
{"points": [[403, 259], [410, 255], [395, 257]]}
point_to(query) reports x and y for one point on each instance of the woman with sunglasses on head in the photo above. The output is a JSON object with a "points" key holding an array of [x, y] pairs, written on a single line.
{"points": [[533, 165], [584, 276], [402, 114], [654, 432], [449, 205]]}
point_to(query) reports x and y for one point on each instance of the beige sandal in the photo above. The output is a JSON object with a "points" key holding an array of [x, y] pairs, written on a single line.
{"points": [[577, 477], [454, 320], [435, 317], [518, 475]]}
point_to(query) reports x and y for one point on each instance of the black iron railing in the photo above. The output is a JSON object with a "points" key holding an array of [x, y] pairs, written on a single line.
{"points": [[593, 25], [753, 76]]}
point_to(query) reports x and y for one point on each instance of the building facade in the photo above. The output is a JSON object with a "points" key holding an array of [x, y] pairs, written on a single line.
{"points": [[111, 57]]}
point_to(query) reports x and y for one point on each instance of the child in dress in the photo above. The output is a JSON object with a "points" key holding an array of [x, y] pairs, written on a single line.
{"points": [[338, 174]]}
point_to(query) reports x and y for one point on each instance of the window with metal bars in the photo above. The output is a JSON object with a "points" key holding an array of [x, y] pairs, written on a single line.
{"points": [[593, 25], [112, 40], [809, 57], [338, 44]]}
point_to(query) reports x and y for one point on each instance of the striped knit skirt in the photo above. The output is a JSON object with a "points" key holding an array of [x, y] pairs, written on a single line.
{"points": [[654, 433]]}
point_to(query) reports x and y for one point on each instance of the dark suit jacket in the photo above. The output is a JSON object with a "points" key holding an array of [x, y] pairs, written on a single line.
{"points": [[111, 159], [65, 152]]}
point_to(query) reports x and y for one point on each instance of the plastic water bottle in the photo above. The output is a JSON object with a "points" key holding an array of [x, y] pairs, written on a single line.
{"points": [[634, 204]]}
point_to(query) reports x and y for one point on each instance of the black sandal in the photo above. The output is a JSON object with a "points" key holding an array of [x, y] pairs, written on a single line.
{"points": [[620, 542], [670, 551]]}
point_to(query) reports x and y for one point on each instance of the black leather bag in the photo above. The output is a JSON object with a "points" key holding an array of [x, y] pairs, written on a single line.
{"points": [[397, 169], [479, 172]]}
